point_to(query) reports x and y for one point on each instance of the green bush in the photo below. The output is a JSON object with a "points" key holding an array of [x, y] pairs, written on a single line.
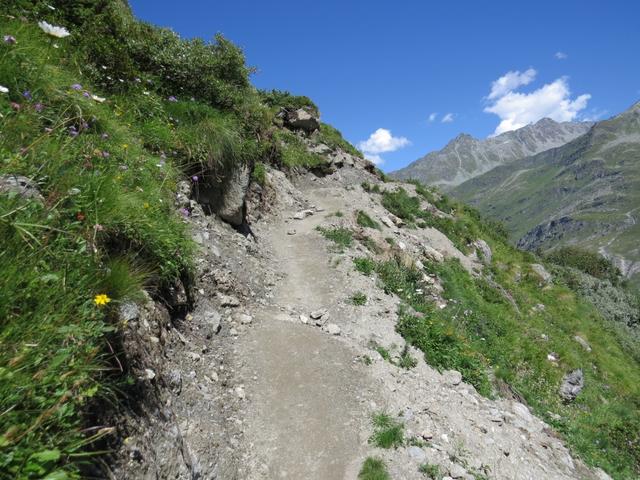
{"points": [[401, 204], [591, 263], [332, 137], [294, 153], [279, 99]]}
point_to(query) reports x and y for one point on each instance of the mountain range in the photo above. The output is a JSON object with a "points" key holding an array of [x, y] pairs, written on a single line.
{"points": [[466, 157], [580, 186]]}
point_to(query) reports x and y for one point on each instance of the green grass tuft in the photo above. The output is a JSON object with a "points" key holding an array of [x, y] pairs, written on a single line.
{"points": [[364, 265], [373, 469], [259, 174], [359, 299], [388, 432], [342, 237], [432, 472], [365, 220]]}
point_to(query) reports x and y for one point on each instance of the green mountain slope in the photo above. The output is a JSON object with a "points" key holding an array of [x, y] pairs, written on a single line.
{"points": [[586, 192]]}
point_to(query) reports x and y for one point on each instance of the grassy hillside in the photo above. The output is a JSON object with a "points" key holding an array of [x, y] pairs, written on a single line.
{"points": [[104, 121], [591, 183], [511, 334]]}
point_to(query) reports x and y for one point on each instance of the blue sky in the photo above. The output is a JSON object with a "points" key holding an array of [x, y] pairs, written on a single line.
{"points": [[379, 69]]}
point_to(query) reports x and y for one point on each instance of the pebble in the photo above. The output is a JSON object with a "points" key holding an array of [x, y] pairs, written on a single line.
{"points": [[333, 329], [417, 454]]}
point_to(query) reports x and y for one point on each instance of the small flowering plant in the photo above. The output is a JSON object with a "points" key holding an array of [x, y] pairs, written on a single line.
{"points": [[52, 30], [101, 299]]}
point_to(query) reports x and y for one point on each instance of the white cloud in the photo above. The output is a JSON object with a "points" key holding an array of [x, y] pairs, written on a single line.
{"points": [[381, 141], [433, 116], [510, 81], [448, 118], [517, 109], [561, 55]]}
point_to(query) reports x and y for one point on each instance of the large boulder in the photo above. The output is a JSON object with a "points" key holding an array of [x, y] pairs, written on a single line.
{"points": [[541, 272], [226, 198], [302, 119], [483, 251], [20, 185], [572, 385], [232, 208]]}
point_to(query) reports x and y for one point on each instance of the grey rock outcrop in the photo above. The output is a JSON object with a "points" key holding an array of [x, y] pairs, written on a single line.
{"points": [[20, 185], [541, 272], [572, 385], [232, 206], [483, 251], [302, 119]]}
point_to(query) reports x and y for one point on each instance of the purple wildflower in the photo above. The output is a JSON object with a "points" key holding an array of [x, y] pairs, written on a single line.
{"points": [[72, 131], [105, 154], [10, 39], [194, 178], [86, 95], [76, 86], [38, 107], [84, 126], [185, 212], [27, 94], [172, 99]]}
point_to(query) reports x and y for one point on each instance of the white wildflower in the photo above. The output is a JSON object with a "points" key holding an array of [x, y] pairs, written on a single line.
{"points": [[4, 89], [98, 99], [58, 32]]}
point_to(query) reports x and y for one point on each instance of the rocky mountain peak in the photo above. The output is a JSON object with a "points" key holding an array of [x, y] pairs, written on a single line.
{"points": [[466, 157]]}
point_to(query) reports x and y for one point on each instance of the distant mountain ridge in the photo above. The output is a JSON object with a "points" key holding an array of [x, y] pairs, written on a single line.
{"points": [[586, 192], [466, 157]]}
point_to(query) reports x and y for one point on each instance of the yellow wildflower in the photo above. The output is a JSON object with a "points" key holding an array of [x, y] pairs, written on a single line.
{"points": [[145, 204], [101, 299], [125, 146]]}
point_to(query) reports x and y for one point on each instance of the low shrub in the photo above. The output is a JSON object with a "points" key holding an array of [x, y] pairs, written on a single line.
{"points": [[365, 220], [332, 137], [591, 263]]}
